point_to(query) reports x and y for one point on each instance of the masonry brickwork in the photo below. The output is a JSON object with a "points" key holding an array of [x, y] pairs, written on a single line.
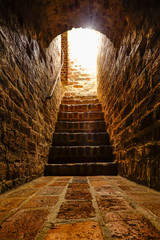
{"points": [[129, 89], [64, 45], [128, 78], [27, 119]]}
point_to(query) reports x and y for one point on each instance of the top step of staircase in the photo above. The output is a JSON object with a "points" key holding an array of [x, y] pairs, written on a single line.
{"points": [[83, 100], [80, 107]]}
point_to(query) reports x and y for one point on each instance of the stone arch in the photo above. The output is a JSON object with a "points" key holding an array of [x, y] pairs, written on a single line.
{"points": [[113, 18]]}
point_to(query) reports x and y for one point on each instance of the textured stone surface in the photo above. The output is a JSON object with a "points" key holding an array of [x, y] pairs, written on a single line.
{"points": [[20, 225], [133, 229], [52, 190], [112, 203], [76, 210], [129, 90], [60, 184], [78, 193], [64, 179], [114, 217], [152, 205], [72, 152], [10, 203], [22, 193], [64, 45], [27, 119], [79, 180], [128, 77], [112, 18], [78, 185], [82, 230], [39, 201]]}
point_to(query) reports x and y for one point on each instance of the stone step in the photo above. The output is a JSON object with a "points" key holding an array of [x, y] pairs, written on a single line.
{"points": [[79, 101], [81, 169], [80, 126], [80, 107], [79, 139], [74, 154], [80, 116]]}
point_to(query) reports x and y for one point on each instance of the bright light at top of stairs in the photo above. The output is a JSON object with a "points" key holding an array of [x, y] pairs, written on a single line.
{"points": [[83, 46]]}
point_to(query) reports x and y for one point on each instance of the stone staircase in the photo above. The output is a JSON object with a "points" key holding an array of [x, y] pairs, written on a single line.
{"points": [[80, 143]]}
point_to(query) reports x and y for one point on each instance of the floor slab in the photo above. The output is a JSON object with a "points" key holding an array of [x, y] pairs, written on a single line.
{"points": [[94, 207]]}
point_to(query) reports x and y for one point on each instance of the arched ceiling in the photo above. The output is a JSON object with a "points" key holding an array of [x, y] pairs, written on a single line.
{"points": [[45, 19]]}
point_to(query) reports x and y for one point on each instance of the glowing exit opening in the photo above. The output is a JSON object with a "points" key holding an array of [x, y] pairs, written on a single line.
{"points": [[82, 62], [83, 47]]}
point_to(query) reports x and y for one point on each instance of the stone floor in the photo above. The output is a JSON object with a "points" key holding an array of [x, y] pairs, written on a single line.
{"points": [[67, 208]]}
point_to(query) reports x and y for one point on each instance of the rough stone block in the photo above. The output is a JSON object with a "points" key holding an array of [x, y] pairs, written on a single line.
{"points": [[41, 201], [52, 191], [82, 230], [78, 194], [76, 210], [20, 225]]}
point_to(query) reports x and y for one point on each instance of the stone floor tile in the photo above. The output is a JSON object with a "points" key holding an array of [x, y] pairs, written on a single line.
{"points": [[153, 207], [63, 179], [133, 229], [114, 178], [78, 193], [119, 230], [128, 188], [112, 217], [122, 216], [41, 194], [47, 178], [143, 229], [76, 210], [59, 184], [140, 197], [23, 225], [22, 193], [78, 185], [101, 190], [51, 191], [120, 181], [130, 215], [112, 203], [95, 179], [3, 214], [79, 180], [44, 179], [77, 231], [41, 201], [99, 183], [37, 185], [10, 203]]}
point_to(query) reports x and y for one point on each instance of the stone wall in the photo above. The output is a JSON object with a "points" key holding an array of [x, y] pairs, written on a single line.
{"points": [[129, 89], [64, 44], [80, 81], [27, 119]]}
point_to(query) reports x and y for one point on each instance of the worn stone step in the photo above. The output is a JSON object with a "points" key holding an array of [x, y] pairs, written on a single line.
{"points": [[80, 126], [81, 169], [79, 101], [80, 107], [79, 139], [80, 116], [73, 154]]}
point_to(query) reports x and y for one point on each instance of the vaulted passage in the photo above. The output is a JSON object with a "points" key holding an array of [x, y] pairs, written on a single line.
{"points": [[33, 41]]}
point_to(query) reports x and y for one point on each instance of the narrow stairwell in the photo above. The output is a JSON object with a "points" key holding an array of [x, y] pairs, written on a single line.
{"points": [[80, 143]]}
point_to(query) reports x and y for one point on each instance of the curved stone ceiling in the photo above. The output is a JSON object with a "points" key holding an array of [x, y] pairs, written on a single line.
{"points": [[48, 18]]}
